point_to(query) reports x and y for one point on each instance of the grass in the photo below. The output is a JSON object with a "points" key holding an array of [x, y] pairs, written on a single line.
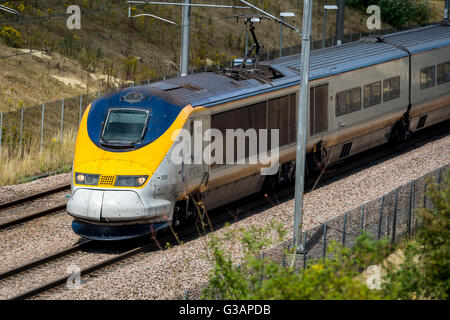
{"points": [[56, 156], [108, 40]]}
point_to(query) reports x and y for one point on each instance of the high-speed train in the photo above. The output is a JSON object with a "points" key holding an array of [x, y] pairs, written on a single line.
{"points": [[362, 94]]}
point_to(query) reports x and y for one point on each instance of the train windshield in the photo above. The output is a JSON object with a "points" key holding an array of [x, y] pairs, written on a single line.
{"points": [[125, 126]]}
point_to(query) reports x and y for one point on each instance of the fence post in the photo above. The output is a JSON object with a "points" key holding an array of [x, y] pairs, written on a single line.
{"points": [[362, 217], [380, 218], [62, 117], [344, 224], [81, 108], [304, 251], [324, 252], [1, 131], [394, 222], [425, 194], [21, 132], [411, 188], [42, 126]]}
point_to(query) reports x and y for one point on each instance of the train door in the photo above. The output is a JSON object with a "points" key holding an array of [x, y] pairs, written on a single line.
{"points": [[318, 109], [199, 168]]}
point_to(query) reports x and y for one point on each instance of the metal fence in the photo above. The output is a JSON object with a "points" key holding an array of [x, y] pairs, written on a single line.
{"points": [[392, 217], [21, 129]]}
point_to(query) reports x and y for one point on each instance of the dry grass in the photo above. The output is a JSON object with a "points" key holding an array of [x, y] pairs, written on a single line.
{"points": [[57, 155], [27, 80]]}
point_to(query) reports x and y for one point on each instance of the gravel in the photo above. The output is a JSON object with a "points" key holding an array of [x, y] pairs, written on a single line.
{"points": [[35, 239], [29, 208], [167, 274], [8, 193], [51, 271]]}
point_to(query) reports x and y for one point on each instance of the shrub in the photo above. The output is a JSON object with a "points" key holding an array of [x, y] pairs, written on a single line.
{"points": [[425, 271], [11, 36], [397, 13], [335, 277]]}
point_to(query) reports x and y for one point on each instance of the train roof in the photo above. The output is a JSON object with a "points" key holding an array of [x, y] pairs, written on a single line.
{"points": [[210, 88]]}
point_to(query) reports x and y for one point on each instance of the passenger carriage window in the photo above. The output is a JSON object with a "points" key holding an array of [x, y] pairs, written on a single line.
{"points": [[278, 113], [278, 118], [348, 101], [293, 118], [443, 73], [252, 116], [391, 88], [318, 109], [372, 94], [427, 76]]}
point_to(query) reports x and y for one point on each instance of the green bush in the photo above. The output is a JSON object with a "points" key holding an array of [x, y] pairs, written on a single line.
{"points": [[335, 277], [425, 271], [397, 13], [11, 36]]}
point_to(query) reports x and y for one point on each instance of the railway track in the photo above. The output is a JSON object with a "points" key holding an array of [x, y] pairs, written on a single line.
{"points": [[218, 217], [33, 197], [209, 223], [34, 214]]}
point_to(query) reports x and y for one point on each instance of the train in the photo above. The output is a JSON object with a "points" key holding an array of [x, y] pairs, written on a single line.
{"points": [[126, 183]]}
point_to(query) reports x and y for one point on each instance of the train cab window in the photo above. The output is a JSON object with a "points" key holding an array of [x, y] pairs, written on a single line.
{"points": [[348, 101], [125, 126], [427, 76], [391, 88], [443, 73], [372, 94]]}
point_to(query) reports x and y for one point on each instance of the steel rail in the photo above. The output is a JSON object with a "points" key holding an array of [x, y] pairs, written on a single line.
{"points": [[34, 215], [33, 197], [38, 262]]}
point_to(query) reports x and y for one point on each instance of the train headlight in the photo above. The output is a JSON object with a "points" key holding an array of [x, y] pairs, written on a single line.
{"points": [[87, 179], [130, 181], [141, 180], [80, 178]]}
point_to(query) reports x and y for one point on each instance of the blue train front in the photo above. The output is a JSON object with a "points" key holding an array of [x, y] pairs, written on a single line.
{"points": [[124, 184]]}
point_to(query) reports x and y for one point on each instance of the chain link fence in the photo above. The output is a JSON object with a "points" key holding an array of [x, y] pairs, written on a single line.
{"points": [[392, 217], [23, 128]]}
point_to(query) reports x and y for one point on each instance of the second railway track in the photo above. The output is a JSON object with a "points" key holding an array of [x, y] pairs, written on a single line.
{"points": [[34, 196], [30, 214]]}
